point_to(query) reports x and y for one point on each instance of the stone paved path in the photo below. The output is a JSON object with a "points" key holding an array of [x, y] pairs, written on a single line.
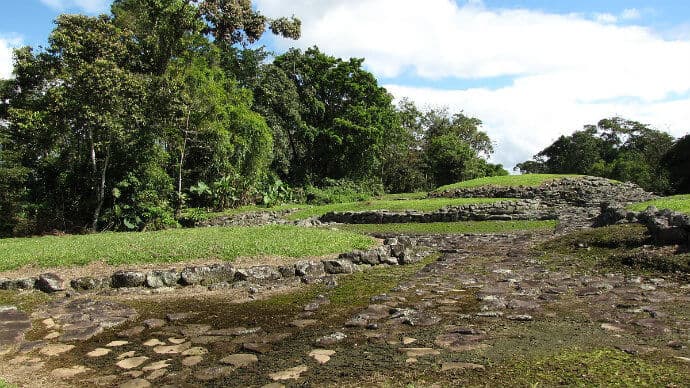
{"points": [[487, 299]]}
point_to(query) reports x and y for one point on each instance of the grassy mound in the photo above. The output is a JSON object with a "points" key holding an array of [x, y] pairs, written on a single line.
{"points": [[480, 227], [679, 203], [176, 246], [527, 180]]}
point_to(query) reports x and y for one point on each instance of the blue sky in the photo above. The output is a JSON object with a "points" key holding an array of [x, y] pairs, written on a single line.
{"points": [[530, 69]]}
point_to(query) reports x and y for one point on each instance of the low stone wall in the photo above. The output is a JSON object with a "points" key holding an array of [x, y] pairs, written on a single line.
{"points": [[580, 191], [392, 252], [499, 211], [665, 226]]}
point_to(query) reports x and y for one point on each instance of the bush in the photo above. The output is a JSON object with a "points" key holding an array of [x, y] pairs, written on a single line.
{"points": [[341, 191]]}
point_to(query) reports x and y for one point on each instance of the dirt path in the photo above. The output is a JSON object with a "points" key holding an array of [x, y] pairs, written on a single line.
{"points": [[486, 310]]}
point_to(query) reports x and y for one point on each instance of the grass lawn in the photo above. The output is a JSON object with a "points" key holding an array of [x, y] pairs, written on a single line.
{"points": [[177, 245], [527, 180], [452, 227], [679, 203]]}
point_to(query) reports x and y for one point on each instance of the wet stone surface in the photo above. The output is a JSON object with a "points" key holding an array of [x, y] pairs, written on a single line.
{"points": [[454, 318]]}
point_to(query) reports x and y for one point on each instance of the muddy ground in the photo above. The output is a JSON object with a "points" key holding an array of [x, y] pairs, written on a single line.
{"points": [[520, 309]]}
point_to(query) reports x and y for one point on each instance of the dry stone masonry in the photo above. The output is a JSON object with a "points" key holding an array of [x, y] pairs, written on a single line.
{"points": [[393, 252]]}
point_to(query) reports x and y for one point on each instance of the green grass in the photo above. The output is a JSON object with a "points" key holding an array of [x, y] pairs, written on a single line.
{"points": [[5, 384], [177, 245], [451, 227], [679, 203], [598, 368], [426, 205], [527, 180]]}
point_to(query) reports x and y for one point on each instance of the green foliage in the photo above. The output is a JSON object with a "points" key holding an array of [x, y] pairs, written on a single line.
{"points": [[677, 161], [343, 117], [526, 180], [678, 203], [452, 227], [177, 245], [615, 148], [341, 191], [275, 192]]}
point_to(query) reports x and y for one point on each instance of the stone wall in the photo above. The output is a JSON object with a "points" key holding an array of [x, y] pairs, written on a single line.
{"points": [[499, 211], [665, 226], [392, 252], [578, 191]]}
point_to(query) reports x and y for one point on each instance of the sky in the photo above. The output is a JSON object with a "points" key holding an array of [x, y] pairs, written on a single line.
{"points": [[531, 70]]}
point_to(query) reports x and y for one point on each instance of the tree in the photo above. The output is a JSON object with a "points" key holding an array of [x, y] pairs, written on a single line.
{"points": [[455, 148], [346, 117], [615, 148], [677, 161]]}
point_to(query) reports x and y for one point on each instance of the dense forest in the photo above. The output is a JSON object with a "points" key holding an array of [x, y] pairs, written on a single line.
{"points": [[125, 120], [619, 149]]}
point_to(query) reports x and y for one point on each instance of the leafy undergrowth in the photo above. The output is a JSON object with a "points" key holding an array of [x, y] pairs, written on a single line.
{"points": [[598, 368], [177, 245], [679, 203], [624, 247], [527, 180], [479, 227]]}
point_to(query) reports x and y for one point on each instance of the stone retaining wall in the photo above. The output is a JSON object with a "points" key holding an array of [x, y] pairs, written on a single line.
{"points": [[580, 191], [666, 227], [392, 252], [499, 211]]}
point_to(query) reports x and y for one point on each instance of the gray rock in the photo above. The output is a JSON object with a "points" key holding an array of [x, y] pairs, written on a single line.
{"points": [[331, 339], [86, 283], [50, 282], [371, 257], [258, 274], [354, 256], [309, 268], [206, 275], [160, 279], [335, 267], [126, 279]]}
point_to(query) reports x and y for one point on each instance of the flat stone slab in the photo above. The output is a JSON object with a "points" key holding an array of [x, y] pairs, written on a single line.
{"points": [[68, 373], [321, 356], [99, 352], [240, 360], [289, 374], [13, 325], [131, 363], [55, 349]]}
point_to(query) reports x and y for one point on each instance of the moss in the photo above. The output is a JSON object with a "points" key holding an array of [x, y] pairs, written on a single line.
{"points": [[602, 367], [24, 301]]}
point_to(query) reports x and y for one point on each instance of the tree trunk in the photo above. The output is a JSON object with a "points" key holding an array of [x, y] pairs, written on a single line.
{"points": [[101, 192], [178, 207]]}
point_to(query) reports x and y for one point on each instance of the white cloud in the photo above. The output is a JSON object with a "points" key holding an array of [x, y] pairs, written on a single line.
{"points": [[88, 6], [567, 70], [631, 14], [6, 47], [606, 18]]}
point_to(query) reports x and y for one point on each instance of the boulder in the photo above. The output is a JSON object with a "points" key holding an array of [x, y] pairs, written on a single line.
{"points": [[160, 279], [50, 282], [259, 274], [126, 279], [309, 268], [207, 275], [86, 283], [335, 267]]}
